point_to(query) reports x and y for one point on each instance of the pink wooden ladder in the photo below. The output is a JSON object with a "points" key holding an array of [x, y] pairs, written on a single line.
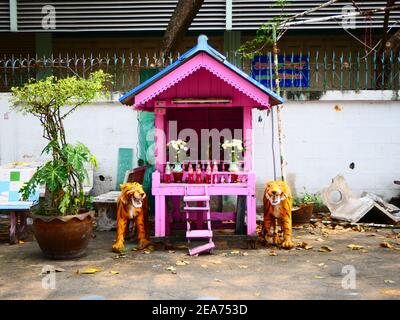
{"points": [[202, 205]]}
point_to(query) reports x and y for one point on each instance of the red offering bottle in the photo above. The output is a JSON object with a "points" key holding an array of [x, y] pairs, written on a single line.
{"points": [[167, 174], [199, 178], [215, 167], [190, 174], [208, 173]]}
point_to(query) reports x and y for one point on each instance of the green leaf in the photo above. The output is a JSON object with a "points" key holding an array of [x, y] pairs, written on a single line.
{"points": [[50, 146], [54, 174], [65, 174]]}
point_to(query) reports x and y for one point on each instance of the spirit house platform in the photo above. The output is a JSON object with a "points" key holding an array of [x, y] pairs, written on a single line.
{"points": [[202, 90]]}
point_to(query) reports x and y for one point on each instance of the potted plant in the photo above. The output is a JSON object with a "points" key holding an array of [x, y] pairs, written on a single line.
{"points": [[236, 147], [61, 224], [178, 146], [303, 207]]}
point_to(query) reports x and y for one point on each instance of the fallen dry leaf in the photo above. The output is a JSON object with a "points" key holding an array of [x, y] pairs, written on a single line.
{"points": [[386, 244], [304, 245], [325, 249], [21, 242], [354, 246], [273, 253], [89, 270], [235, 252], [56, 269], [182, 263], [301, 245], [204, 266], [391, 292], [245, 253], [358, 228], [171, 269], [318, 277], [217, 280], [321, 264], [320, 239], [216, 262], [171, 251], [389, 281], [257, 294], [243, 267], [114, 272]]}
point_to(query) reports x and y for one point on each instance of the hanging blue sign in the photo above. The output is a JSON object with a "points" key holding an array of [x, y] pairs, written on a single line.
{"points": [[293, 70]]}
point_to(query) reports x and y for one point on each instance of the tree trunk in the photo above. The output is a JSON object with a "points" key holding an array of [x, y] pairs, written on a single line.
{"points": [[393, 43], [383, 61], [181, 19]]}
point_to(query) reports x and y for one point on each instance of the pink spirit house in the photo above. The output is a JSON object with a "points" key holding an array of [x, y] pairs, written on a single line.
{"points": [[201, 90]]}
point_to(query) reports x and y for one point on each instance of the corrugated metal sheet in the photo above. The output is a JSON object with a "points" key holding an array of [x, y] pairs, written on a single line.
{"points": [[248, 15], [103, 15], [153, 15], [4, 15]]}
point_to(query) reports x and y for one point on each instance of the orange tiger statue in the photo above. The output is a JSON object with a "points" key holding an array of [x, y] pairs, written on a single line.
{"points": [[132, 205], [278, 211]]}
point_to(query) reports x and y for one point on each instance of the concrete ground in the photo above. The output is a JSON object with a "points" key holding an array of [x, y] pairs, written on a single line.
{"points": [[265, 273]]}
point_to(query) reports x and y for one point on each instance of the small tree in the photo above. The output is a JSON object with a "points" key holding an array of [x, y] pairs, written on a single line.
{"points": [[64, 175]]}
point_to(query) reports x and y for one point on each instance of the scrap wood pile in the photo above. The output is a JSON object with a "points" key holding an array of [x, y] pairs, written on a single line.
{"points": [[369, 208]]}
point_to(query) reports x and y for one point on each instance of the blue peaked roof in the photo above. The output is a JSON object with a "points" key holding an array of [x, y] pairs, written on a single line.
{"points": [[202, 46]]}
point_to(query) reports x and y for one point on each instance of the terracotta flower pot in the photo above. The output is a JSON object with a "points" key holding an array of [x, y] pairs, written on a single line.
{"points": [[63, 237], [302, 214]]}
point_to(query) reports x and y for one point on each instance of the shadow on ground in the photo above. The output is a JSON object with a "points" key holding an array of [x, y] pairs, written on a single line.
{"points": [[225, 274]]}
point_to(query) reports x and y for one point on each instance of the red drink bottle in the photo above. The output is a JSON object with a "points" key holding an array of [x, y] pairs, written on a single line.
{"points": [[208, 173], [199, 174], [167, 174], [190, 174]]}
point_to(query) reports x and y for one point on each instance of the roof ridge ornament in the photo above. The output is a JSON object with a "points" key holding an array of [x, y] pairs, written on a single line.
{"points": [[202, 42]]}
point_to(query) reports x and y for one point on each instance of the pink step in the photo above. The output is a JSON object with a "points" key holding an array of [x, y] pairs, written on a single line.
{"points": [[196, 208], [205, 247], [199, 234], [196, 198]]}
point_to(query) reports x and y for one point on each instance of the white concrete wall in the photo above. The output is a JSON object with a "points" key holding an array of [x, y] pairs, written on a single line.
{"points": [[102, 127], [320, 142]]}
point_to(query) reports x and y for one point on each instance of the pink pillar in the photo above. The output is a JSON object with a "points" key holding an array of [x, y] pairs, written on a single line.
{"points": [[251, 215], [160, 216], [248, 138], [160, 138], [251, 206], [159, 212]]}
